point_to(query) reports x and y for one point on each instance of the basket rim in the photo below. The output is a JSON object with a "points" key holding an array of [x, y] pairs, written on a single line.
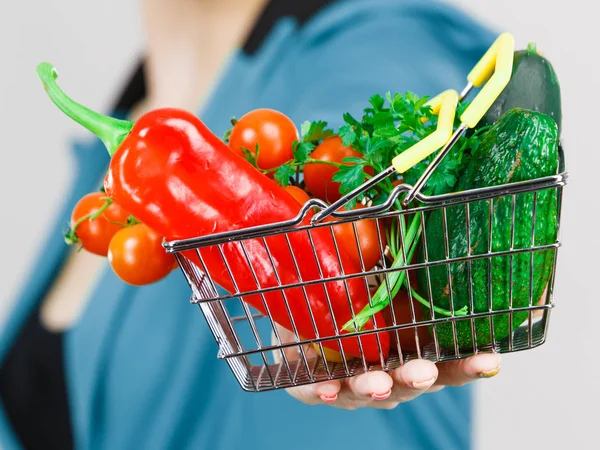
{"points": [[372, 212]]}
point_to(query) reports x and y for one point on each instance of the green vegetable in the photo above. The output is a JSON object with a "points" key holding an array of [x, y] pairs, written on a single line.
{"points": [[521, 145], [315, 131], [533, 85]]}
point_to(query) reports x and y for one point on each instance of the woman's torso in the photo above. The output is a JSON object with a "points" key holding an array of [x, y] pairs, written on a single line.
{"points": [[141, 363]]}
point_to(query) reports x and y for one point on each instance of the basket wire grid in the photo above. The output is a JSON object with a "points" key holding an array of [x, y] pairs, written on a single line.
{"points": [[263, 356]]}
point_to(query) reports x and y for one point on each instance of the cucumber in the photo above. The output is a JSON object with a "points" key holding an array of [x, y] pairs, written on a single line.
{"points": [[521, 145], [533, 86]]}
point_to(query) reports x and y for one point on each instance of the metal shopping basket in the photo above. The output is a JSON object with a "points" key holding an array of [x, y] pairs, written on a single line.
{"points": [[264, 356]]}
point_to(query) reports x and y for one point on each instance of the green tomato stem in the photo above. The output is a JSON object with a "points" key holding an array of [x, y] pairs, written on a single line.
{"points": [[293, 163], [71, 235]]}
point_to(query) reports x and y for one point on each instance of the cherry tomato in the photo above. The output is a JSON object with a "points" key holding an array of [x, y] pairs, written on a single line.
{"points": [[318, 177], [95, 234], [300, 195], [367, 239], [403, 315], [274, 133], [137, 256]]}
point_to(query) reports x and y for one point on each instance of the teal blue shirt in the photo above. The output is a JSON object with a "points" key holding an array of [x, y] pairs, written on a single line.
{"points": [[141, 366]]}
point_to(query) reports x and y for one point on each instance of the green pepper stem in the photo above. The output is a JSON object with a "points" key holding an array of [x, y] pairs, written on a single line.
{"points": [[111, 131], [532, 48]]}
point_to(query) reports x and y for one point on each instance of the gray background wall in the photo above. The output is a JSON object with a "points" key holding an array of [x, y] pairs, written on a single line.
{"points": [[544, 398], [36, 166]]}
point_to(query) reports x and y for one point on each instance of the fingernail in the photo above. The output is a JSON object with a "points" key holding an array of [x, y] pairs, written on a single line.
{"points": [[328, 398], [423, 384], [382, 396], [489, 373]]}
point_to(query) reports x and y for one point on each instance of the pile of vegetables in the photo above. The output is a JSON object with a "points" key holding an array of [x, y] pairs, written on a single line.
{"points": [[171, 177]]}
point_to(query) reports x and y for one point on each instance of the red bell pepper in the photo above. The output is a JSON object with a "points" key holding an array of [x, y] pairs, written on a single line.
{"points": [[173, 174]]}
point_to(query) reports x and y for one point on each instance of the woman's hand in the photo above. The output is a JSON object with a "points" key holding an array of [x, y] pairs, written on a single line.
{"points": [[386, 390]]}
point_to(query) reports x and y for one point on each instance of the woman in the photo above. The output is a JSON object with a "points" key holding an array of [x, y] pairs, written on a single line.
{"points": [[91, 363]]}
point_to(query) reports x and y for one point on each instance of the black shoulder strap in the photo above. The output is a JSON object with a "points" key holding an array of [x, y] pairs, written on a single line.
{"points": [[301, 10], [134, 91]]}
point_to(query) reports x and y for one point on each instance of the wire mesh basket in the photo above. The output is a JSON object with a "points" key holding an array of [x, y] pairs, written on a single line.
{"points": [[264, 355]]}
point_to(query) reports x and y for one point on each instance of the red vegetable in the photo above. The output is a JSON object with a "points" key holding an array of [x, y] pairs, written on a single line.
{"points": [[300, 195], [137, 256], [368, 240], [319, 177], [174, 175], [272, 131], [94, 221], [403, 315]]}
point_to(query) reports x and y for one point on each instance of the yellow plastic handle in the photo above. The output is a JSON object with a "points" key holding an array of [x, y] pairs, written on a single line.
{"points": [[445, 105], [499, 60], [435, 103]]}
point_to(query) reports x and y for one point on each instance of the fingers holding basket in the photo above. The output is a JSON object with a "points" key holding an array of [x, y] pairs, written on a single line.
{"points": [[408, 382], [326, 392], [463, 371], [382, 390], [414, 378], [367, 390], [386, 390], [376, 389]]}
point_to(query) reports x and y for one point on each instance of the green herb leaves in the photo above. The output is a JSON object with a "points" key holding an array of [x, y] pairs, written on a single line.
{"points": [[312, 133], [350, 176], [302, 151], [348, 135], [315, 131], [284, 173]]}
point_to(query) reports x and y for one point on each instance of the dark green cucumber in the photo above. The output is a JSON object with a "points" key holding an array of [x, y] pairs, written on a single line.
{"points": [[533, 86], [521, 145]]}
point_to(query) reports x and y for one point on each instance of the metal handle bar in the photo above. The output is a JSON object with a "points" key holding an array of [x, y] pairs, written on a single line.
{"points": [[433, 201]]}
